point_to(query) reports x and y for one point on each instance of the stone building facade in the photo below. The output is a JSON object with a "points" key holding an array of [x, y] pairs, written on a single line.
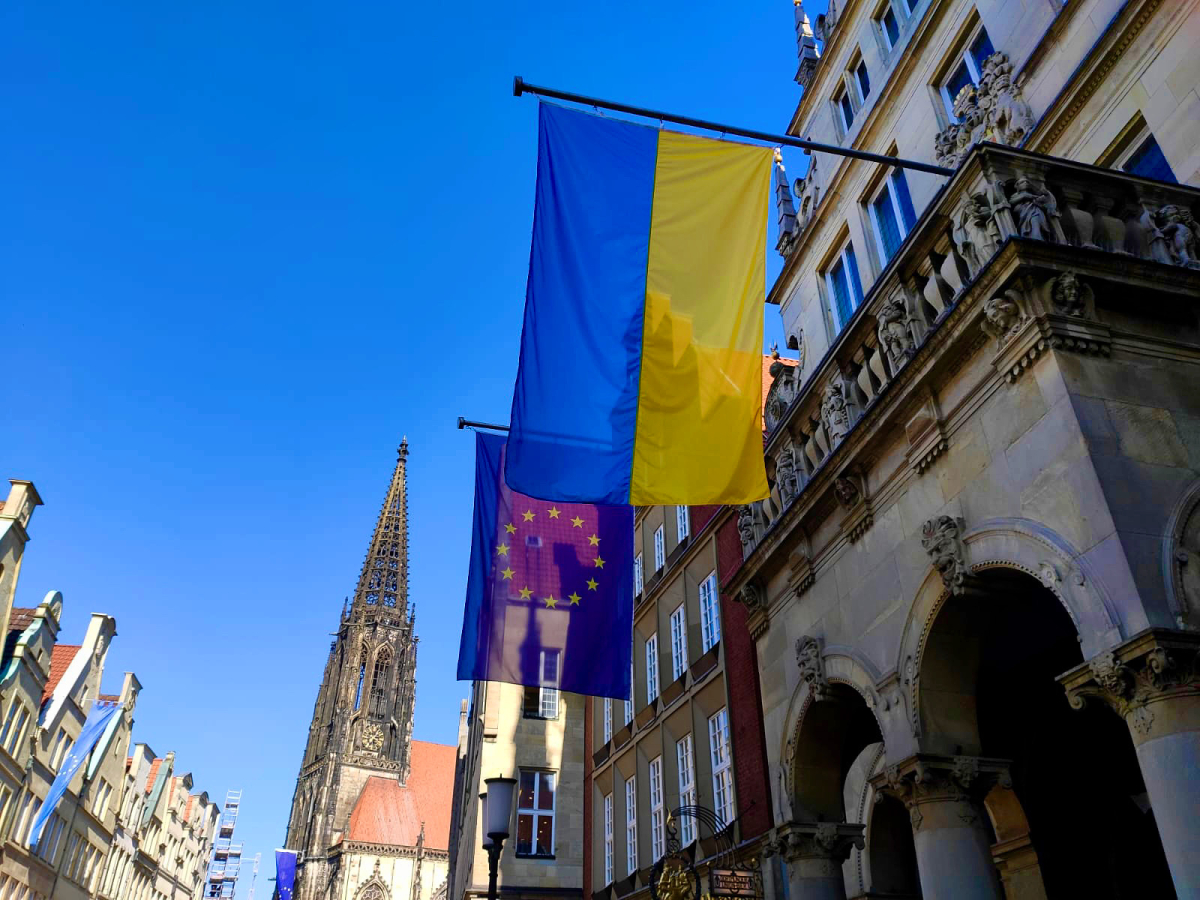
{"points": [[972, 586], [370, 815], [535, 735], [47, 690], [691, 735]]}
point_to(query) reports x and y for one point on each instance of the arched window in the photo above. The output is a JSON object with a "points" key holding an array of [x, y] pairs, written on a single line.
{"points": [[379, 683]]}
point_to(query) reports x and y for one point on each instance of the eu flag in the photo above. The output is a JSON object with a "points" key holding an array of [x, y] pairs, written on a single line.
{"points": [[550, 590], [285, 873]]}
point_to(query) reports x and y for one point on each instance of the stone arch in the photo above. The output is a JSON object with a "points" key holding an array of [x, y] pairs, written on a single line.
{"points": [[844, 675], [1181, 559], [374, 889], [1024, 546]]}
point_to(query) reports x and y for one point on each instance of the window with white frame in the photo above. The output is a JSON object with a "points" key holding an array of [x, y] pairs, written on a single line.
{"points": [[58, 751], [542, 702], [100, 803], [722, 768], [682, 525], [629, 702], [651, 668], [844, 286], [679, 653], [861, 79], [607, 720], [710, 613], [892, 214], [52, 833], [5, 799], [685, 757], [535, 813], [967, 70], [608, 838], [28, 813], [14, 727], [660, 554], [638, 583], [889, 25], [658, 830], [845, 108], [631, 825]]}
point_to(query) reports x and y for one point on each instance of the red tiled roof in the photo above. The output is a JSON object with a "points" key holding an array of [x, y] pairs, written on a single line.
{"points": [[60, 658], [20, 617], [187, 810], [112, 698], [153, 774], [388, 812]]}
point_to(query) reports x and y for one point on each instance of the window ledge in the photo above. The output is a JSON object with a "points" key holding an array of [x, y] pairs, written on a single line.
{"points": [[549, 856]]}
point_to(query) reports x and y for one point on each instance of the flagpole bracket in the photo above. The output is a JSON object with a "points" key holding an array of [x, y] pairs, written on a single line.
{"points": [[518, 85]]}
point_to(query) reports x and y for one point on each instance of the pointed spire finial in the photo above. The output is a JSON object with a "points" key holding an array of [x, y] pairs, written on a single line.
{"points": [[384, 577]]}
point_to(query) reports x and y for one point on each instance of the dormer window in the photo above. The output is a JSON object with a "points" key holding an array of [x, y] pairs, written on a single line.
{"points": [[968, 69]]}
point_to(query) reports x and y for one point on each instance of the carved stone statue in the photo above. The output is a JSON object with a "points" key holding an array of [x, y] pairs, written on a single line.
{"points": [[941, 538], [1002, 315], [785, 476], [835, 413], [976, 233], [945, 146], [894, 335], [1034, 207], [1180, 233], [1009, 116], [812, 666], [751, 598], [745, 526]]}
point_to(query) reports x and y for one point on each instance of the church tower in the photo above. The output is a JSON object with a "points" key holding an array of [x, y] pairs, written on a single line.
{"points": [[362, 720]]}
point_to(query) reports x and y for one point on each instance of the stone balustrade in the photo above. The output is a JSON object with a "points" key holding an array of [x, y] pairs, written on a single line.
{"points": [[1031, 210]]}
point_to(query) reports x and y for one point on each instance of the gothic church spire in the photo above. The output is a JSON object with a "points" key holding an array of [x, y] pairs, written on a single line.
{"points": [[383, 581]]}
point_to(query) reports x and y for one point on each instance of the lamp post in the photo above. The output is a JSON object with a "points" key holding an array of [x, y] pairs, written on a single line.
{"points": [[497, 809]]}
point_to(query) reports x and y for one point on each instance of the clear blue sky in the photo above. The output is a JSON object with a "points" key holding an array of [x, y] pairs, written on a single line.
{"points": [[247, 246]]}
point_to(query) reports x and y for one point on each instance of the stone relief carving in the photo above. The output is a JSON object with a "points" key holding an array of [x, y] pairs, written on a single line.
{"points": [[1185, 562], [895, 334], [1175, 236], [745, 526], [827, 22], [751, 598], [976, 231], [847, 491], [1071, 297], [996, 111], [784, 387], [1035, 210], [835, 412], [812, 667], [1133, 678], [786, 477], [942, 539], [808, 192], [1002, 316]]}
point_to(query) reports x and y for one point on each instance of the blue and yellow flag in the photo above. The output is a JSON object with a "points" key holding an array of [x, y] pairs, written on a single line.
{"points": [[640, 377]]}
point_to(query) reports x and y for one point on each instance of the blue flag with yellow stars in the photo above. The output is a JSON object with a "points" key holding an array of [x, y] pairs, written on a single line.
{"points": [[285, 873], [550, 590]]}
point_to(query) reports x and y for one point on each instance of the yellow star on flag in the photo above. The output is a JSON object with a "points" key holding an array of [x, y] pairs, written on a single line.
{"points": [[527, 515], [599, 562], [574, 598], [502, 549], [551, 603], [593, 540], [577, 522], [554, 511], [507, 573], [526, 593], [510, 528], [591, 583]]}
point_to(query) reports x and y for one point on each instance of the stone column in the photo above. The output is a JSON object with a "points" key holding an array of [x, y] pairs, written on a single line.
{"points": [[944, 798], [1153, 682], [814, 852]]}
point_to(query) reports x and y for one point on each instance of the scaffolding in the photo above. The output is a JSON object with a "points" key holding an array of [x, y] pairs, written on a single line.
{"points": [[226, 862]]}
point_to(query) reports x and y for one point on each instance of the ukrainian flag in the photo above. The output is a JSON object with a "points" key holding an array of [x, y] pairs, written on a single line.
{"points": [[640, 377]]}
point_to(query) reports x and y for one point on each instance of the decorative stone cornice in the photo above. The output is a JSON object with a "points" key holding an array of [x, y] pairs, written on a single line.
{"points": [[1136, 678], [814, 840], [925, 779]]}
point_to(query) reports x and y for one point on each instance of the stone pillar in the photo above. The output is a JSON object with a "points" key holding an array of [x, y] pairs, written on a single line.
{"points": [[814, 852], [1153, 682], [944, 798]]}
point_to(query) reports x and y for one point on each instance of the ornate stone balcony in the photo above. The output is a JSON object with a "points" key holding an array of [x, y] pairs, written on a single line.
{"points": [[1011, 259]]}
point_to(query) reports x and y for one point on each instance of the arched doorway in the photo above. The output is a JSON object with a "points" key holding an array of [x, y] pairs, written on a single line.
{"points": [[838, 748], [988, 689]]}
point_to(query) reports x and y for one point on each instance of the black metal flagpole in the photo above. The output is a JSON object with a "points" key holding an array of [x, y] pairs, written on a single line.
{"points": [[467, 423], [521, 87]]}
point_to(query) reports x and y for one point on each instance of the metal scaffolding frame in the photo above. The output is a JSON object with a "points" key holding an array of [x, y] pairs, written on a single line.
{"points": [[226, 862]]}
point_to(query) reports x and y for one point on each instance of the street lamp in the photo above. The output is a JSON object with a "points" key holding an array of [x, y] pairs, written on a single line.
{"points": [[497, 809]]}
